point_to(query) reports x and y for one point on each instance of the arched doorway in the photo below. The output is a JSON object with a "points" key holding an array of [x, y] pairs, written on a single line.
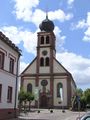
{"points": [[43, 101]]}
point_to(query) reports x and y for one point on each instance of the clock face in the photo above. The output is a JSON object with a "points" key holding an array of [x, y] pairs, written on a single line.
{"points": [[44, 52]]}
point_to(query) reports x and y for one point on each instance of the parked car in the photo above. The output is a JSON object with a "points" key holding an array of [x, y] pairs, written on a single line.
{"points": [[86, 116]]}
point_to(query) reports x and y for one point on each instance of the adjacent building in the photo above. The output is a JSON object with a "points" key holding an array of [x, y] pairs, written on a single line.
{"points": [[9, 66], [46, 74]]}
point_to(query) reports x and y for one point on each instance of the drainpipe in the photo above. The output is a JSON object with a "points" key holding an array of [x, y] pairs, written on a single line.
{"points": [[16, 88]]}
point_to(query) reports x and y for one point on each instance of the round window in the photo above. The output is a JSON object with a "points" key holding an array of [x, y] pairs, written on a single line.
{"points": [[44, 82], [44, 52]]}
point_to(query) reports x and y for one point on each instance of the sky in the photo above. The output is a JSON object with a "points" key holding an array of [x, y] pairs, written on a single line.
{"points": [[20, 19]]}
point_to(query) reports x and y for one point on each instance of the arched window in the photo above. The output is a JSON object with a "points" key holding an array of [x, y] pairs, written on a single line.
{"points": [[41, 61], [47, 39], [47, 61], [29, 87], [60, 90], [42, 40]]}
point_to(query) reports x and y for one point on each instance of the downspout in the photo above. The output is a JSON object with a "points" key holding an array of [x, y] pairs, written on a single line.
{"points": [[16, 88]]}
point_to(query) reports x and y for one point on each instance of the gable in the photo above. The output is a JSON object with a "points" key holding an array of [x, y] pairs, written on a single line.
{"points": [[31, 68], [58, 68]]}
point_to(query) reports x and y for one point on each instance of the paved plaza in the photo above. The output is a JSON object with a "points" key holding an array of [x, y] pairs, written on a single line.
{"points": [[46, 115]]}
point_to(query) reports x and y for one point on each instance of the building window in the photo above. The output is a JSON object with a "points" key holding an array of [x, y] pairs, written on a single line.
{"points": [[47, 39], [41, 61], [1, 60], [11, 66], [9, 94], [29, 87], [0, 92], [59, 90], [47, 61], [42, 40]]}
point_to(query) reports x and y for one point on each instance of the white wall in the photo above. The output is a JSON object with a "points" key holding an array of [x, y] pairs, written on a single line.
{"points": [[9, 51], [6, 78]]}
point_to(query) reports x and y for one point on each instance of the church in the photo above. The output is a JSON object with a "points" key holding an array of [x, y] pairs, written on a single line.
{"points": [[45, 73]]}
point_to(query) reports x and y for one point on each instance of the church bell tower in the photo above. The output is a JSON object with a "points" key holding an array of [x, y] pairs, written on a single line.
{"points": [[45, 52]]}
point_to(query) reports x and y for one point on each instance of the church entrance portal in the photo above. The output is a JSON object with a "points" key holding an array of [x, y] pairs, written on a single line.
{"points": [[43, 101]]}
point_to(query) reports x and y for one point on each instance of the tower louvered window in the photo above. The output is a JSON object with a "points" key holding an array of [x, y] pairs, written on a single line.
{"points": [[41, 61], [42, 40], [47, 39], [47, 61]]}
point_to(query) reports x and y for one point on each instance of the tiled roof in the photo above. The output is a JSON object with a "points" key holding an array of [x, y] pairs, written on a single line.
{"points": [[9, 43]]}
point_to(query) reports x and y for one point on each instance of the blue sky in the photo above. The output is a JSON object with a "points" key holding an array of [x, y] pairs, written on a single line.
{"points": [[20, 19]]}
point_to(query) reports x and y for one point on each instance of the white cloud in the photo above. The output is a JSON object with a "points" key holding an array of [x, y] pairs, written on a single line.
{"points": [[18, 34], [24, 10], [84, 24], [59, 15], [87, 35], [80, 25], [38, 16], [13, 33], [70, 2], [77, 65], [87, 32], [60, 39]]}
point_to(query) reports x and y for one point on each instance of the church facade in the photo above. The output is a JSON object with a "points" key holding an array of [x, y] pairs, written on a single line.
{"points": [[55, 84]]}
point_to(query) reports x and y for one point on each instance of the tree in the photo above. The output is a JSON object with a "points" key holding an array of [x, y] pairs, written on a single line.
{"points": [[79, 100], [21, 98], [24, 97], [30, 98], [87, 95], [79, 92]]}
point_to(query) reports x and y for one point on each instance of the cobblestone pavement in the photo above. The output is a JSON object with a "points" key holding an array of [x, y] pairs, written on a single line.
{"points": [[46, 115]]}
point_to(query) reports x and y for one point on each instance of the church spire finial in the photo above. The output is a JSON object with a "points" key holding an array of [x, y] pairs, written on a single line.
{"points": [[46, 15], [46, 12]]}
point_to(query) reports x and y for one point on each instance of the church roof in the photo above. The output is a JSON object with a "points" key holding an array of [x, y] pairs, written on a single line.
{"points": [[47, 25]]}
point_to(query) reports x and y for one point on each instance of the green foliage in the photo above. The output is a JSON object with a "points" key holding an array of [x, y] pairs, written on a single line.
{"points": [[30, 96], [87, 95], [84, 99], [24, 97], [79, 92]]}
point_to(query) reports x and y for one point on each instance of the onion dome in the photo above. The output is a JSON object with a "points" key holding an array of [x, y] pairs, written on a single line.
{"points": [[47, 25]]}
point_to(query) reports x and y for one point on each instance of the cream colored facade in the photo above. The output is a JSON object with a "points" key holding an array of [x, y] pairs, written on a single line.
{"points": [[57, 102], [8, 99]]}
